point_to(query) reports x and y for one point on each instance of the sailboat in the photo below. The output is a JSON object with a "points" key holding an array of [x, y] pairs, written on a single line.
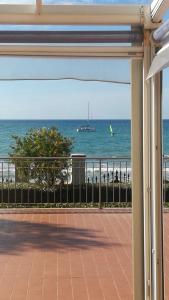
{"points": [[86, 127], [112, 133]]}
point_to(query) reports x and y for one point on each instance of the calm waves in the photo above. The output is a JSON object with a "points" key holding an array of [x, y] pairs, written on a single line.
{"points": [[93, 144]]}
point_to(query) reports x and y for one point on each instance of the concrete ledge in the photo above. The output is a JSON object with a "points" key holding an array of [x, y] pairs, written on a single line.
{"points": [[68, 210], [63, 210]]}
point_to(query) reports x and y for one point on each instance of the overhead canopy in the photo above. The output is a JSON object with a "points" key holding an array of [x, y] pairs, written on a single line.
{"points": [[160, 61]]}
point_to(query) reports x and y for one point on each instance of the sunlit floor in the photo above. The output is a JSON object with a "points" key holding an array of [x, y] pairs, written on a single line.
{"points": [[66, 256]]}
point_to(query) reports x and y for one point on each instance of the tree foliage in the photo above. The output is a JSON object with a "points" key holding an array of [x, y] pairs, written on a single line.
{"points": [[43, 146]]}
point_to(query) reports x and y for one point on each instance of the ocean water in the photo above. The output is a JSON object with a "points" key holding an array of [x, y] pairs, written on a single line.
{"points": [[94, 144]]}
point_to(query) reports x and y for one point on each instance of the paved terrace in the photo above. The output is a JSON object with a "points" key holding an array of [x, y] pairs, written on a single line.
{"points": [[68, 256]]}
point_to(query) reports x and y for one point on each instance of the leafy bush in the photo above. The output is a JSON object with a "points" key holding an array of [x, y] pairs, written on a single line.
{"points": [[39, 147]]}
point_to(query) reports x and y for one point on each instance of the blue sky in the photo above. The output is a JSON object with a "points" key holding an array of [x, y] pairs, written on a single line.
{"points": [[68, 99]]}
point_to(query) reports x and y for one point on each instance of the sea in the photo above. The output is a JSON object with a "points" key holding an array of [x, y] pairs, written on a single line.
{"points": [[94, 144]]}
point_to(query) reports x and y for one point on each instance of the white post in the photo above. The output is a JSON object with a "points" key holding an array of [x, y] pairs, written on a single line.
{"points": [[78, 168], [152, 179], [157, 227], [137, 175], [147, 164]]}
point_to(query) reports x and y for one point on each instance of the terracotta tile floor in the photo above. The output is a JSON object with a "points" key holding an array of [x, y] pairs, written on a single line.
{"points": [[61, 256]]}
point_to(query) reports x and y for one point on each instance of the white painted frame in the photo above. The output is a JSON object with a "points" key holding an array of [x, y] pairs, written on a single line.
{"points": [[72, 14], [70, 51]]}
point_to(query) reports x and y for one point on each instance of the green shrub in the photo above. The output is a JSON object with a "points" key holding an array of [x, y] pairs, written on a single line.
{"points": [[42, 143]]}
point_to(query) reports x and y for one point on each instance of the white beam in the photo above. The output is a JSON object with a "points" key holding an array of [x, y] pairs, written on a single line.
{"points": [[72, 14], [152, 174], [70, 51], [137, 175], [158, 9], [147, 165], [17, 9], [156, 207]]}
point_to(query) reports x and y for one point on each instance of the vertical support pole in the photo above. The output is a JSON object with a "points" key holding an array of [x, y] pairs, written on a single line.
{"points": [[147, 164], [157, 218], [137, 178], [152, 184]]}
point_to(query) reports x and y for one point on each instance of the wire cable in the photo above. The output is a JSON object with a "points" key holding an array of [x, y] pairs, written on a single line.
{"points": [[67, 78]]}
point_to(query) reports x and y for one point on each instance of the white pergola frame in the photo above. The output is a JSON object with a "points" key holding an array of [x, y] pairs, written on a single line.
{"points": [[71, 51], [146, 114], [73, 14]]}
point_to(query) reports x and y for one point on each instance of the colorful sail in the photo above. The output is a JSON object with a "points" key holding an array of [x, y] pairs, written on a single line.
{"points": [[111, 130]]}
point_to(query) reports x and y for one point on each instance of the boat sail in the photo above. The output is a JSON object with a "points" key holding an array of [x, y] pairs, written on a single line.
{"points": [[112, 133], [86, 127]]}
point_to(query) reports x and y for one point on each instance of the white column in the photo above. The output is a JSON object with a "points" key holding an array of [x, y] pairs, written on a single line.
{"points": [[152, 179], [137, 178], [147, 164], [156, 209]]}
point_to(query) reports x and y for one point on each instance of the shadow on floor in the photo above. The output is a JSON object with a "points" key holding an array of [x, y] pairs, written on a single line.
{"points": [[17, 236]]}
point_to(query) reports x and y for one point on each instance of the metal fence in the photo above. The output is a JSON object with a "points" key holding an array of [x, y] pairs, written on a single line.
{"points": [[69, 181], [60, 181]]}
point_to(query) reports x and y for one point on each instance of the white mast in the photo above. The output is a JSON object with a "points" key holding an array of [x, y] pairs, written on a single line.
{"points": [[88, 112]]}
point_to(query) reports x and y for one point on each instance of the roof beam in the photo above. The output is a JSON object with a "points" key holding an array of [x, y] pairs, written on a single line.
{"points": [[158, 9], [71, 14], [70, 51]]}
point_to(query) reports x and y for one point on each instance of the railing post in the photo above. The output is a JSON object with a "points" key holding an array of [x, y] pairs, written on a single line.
{"points": [[78, 168]]}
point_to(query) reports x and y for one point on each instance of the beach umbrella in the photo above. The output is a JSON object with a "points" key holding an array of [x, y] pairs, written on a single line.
{"points": [[160, 61]]}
